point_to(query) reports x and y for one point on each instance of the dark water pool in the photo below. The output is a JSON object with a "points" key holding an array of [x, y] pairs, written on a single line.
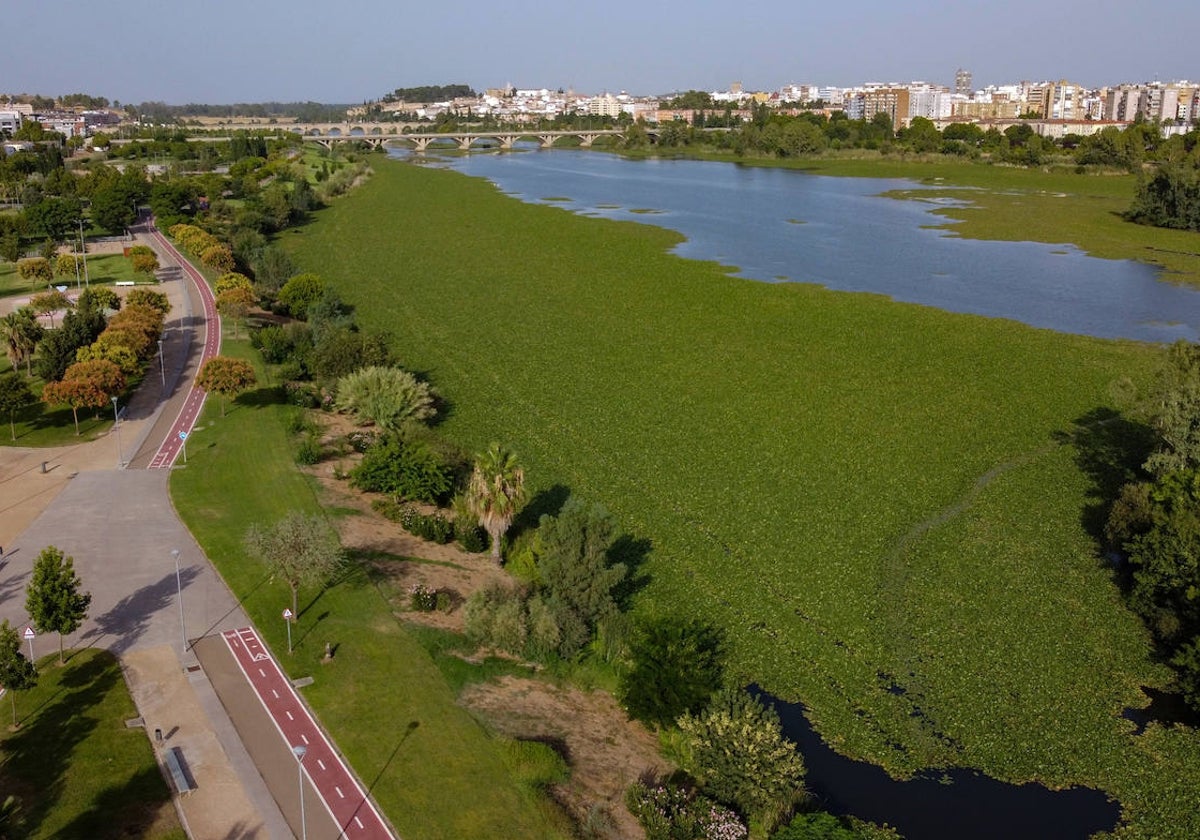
{"points": [[955, 804]]}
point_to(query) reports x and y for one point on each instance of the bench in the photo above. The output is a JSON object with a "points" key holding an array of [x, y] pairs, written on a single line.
{"points": [[123, 283], [179, 775]]}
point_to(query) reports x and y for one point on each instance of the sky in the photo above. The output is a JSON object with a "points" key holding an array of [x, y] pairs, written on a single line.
{"points": [[225, 51]]}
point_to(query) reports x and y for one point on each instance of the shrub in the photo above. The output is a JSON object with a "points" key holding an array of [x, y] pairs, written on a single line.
{"points": [[302, 394], [740, 756], [672, 812], [389, 397], [435, 527], [309, 451], [471, 537], [677, 665], [443, 601], [408, 470], [422, 598]]}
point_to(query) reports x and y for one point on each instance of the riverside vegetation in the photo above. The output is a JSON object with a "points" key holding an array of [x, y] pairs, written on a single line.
{"points": [[863, 494]]}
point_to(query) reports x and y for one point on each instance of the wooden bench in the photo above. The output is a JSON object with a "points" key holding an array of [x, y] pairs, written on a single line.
{"points": [[179, 775]]}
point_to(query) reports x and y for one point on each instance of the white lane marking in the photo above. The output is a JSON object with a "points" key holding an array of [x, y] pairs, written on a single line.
{"points": [[261, 672], [321, 764], [275, 693], [304, 738], [289, 714], [339, 792], [358, 822]]}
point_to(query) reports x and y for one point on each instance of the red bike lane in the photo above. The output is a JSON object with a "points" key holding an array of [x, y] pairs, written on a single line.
{"points": [[171, 447], [343, 796]]}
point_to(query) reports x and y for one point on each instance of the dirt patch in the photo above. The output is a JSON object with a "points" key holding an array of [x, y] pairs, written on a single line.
{"points": [[606, 752]]}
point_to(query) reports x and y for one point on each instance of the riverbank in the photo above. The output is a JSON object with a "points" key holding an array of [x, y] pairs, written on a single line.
{"points": [[880, 502]]}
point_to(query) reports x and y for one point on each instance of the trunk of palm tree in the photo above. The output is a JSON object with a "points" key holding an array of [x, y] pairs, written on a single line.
{"points": [[75, 414], [496, 534]]}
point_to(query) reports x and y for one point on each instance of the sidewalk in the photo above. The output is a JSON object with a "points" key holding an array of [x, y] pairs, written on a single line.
{"points": [[174, 701]]}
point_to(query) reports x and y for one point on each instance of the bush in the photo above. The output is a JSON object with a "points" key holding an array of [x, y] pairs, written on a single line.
{"points": [[672, 812], [309, 451], [409, 470], [422, 598], [472, 538], [434, 527], [677, 665], [443, 601], [507, 619], [302, 394]]}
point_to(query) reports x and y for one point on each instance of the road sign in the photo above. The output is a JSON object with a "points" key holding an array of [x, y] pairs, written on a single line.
{"points": [[28, 634], [287, 614], [287, 620], [183, 435]]}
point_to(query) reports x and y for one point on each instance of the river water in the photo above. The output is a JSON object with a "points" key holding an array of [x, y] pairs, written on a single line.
{"points": [[781, 225]]}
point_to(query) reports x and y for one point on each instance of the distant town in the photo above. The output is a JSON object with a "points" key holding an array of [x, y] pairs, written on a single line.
{"points": [[1055, 108]]}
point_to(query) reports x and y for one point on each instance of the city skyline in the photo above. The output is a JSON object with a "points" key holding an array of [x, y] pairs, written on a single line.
{"points": [[225, 52]]}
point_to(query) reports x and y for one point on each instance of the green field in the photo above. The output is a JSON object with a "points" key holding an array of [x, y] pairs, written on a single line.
{"points": [[877, 500], [431, 767], [76, 769], [104, 269]]}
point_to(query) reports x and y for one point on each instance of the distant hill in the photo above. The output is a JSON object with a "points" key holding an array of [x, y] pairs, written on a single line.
{"points": [[430, 93]]}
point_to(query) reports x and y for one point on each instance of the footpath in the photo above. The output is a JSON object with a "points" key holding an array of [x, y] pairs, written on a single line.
{"points": [[139, 563]]}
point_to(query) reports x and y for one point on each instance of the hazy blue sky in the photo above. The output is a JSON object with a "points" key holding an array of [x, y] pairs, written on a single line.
{"points": [[221, 51]]}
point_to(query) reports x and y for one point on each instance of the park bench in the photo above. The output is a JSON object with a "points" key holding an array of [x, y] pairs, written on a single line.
{"points": [[179, 775]]}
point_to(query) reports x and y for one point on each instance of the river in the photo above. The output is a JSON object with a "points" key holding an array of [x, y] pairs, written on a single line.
{"points": [[784, 225]]}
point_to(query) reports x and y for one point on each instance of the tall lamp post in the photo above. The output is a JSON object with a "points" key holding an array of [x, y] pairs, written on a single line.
{"points": [[162, 366], [117, 427], [299, 751], [179, 597]]}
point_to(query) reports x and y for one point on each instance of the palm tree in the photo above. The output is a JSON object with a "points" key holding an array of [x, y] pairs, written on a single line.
{"points": [[496, 490], [21, 332]]}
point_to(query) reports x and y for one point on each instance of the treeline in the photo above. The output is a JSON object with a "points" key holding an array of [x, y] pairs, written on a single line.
{"points": [[1154, 524], [773, 134], [430, 93], [161, 112]]}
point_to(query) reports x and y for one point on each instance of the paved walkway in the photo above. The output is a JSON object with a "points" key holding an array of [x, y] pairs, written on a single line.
{"points": [[121, 529]]}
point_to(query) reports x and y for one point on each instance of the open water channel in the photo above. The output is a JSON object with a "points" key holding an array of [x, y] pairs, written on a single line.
{"points": [[781, 225]]}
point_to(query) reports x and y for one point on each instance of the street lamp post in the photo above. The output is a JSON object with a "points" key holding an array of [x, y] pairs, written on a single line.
{"points": [[299, 750], [117, 427], [83, 250], [179, 597], [162, 366]]}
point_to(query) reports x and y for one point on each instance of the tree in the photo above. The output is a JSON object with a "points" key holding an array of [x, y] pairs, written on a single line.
{"points": [[21, 332], [75, 393], [66, 265], [48, 303], [303, 550], [102, 373], [301, 292], [113, 208], [54, 217], [272, 269], [99, 298], [676, 665], [10, 246], [389, 397], [495, 492], [407, 469], [226, 376], [235, 303], [218, 257], [16, 672], [575, 570], [738, 753], [53, 599], [144, 263], [14, 395], [232, 280], [150, 298], [37, 271]]}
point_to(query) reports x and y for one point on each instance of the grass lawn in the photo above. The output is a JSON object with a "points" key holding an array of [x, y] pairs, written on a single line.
{"points": [[431, 767], [78, 772], [104, 269], [878, 501]]}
